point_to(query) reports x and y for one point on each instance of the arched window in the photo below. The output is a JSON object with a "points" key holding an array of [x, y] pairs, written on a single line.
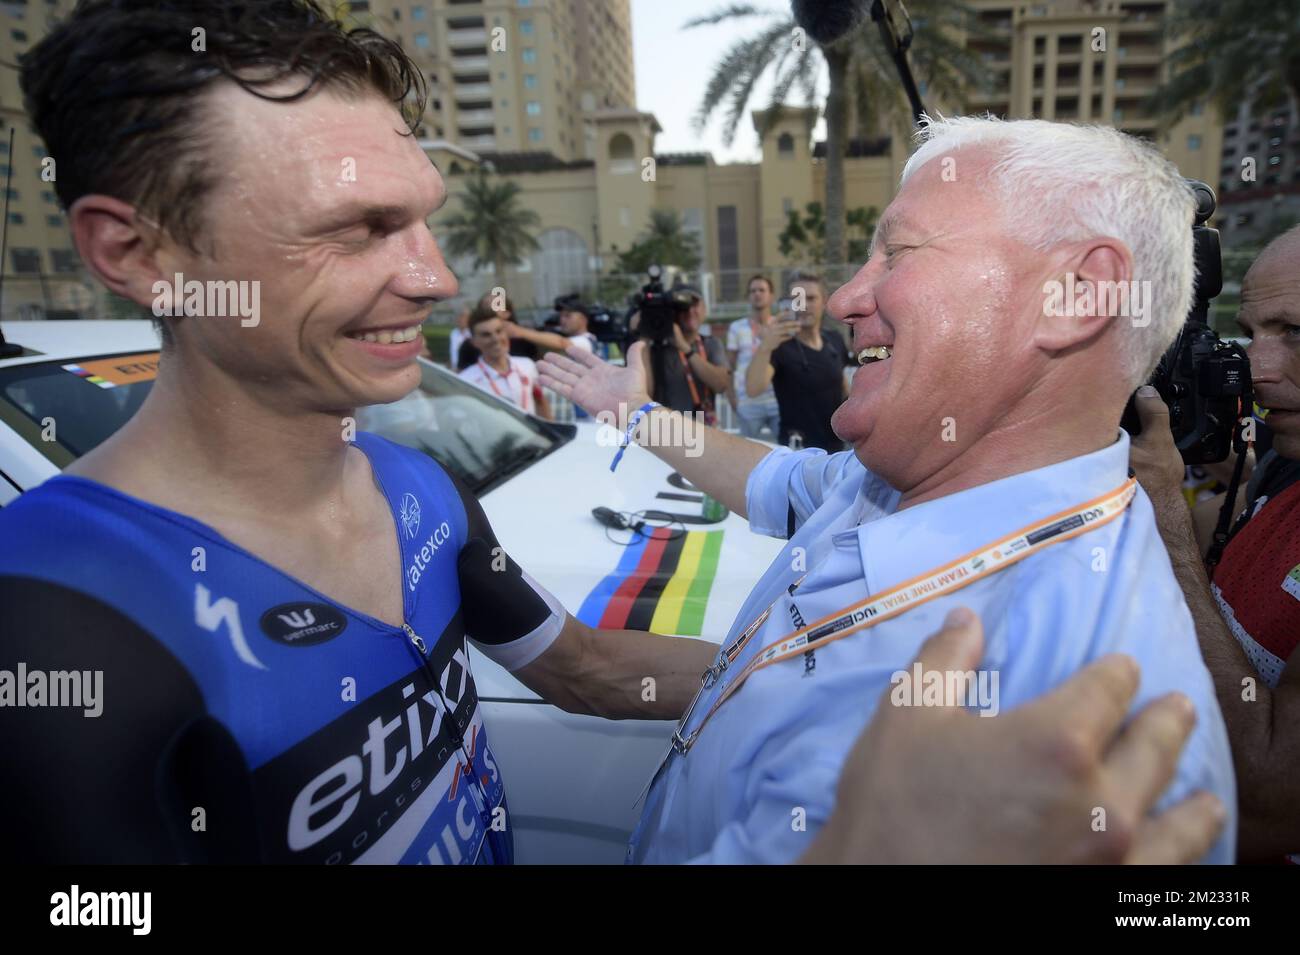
{"points": [[785, 145], [622, 154], [560, 266]]}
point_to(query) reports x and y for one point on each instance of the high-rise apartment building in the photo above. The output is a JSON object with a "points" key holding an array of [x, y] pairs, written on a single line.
{"points": [[1093, 61], [42, 271], [514, 75], [1259, 181]]}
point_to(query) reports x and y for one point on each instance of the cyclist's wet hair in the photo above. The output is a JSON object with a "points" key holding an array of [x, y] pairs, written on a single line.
{"points": [[115, 90]]}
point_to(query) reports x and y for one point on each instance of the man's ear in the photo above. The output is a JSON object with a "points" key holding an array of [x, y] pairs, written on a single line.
{"points": [[1090, 293], [119, 249]]}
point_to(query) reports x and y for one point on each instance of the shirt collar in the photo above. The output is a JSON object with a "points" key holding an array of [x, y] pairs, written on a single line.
{"points": [[906, 543]]}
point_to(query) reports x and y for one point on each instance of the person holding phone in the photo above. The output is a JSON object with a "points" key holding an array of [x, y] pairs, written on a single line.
{"points": [[803, 366]]}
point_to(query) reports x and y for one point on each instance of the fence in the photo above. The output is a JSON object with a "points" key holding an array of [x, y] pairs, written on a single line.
{"points": [[724, 291]]}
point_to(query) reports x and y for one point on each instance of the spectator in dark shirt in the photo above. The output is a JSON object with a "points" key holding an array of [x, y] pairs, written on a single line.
{"points": [[804, 366]]}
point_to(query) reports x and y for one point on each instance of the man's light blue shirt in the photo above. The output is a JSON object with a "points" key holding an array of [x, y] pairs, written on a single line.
{"points": [[761, 778]]}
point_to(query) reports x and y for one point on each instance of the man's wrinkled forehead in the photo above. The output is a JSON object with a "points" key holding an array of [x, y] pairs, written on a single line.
{"points": [[948, 187], [1276, 271], [301, 163]]}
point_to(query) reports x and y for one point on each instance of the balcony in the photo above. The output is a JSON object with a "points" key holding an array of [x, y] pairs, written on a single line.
{"points": [[1140, 54], [470, 64], [479, 141], [473, 91], [475, 117], [477, 37]]}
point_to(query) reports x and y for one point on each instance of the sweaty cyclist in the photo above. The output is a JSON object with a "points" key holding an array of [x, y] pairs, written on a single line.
{"points": [[279, 607]]}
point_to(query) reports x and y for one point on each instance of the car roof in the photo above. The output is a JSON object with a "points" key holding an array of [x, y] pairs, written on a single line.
{"points": [[70, 340]]}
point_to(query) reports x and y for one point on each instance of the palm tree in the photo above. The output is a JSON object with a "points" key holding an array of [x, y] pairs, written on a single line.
{"points": [[664, 243], [860, 71], [492, 225], [1232, 51]]}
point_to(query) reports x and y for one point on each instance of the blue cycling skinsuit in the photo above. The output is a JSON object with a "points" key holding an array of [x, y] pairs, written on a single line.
{"points": [[245, 717]]}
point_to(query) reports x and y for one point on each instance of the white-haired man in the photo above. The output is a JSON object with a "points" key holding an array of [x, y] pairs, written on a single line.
{"points": [[1022, 283]]}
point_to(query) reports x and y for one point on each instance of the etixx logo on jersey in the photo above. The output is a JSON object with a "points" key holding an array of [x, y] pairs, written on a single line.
{"points": [[410, 516], [303, 624]]}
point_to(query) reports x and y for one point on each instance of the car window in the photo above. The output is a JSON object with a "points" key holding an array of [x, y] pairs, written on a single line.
{"points": [[83, 411], [479, 438]]}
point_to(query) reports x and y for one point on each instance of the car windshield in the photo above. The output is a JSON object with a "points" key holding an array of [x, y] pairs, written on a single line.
{"points": [[478, 438], [63, 411]]}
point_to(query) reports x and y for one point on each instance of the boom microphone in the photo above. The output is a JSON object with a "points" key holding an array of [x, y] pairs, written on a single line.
{"points": [[828, 20]]}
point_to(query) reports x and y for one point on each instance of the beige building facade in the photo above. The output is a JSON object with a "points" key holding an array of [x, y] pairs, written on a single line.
{"points": [[542, 92], [1090, 61]]}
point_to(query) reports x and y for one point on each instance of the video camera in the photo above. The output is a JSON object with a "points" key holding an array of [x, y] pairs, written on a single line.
{"points": [[1204, 380], [659, 308]]}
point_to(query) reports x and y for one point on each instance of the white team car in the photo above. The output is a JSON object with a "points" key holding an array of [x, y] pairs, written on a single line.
{"points": [[572, 781]]}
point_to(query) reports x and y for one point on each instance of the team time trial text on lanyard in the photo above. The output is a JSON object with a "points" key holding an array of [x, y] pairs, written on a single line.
{"points": [[490, 375], [897, 600]]}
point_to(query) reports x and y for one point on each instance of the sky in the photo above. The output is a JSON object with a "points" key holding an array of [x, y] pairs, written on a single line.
{"points": [[674, 65]]}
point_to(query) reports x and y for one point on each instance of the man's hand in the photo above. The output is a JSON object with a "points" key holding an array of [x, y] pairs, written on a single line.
{"points": [[780, 331], [595, 385], [679, 339], [1152, 454], [942, 785]]}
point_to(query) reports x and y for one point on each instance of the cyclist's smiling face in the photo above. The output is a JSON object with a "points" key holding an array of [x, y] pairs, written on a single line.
{"points": [[324, 203]]}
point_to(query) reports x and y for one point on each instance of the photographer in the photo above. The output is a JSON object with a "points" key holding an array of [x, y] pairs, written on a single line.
{"points": [[694, 366], [1247, 609], [574, 316], [804, 367]]}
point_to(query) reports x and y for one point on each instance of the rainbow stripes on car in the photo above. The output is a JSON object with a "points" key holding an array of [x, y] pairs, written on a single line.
{"points": [[661, 583]]}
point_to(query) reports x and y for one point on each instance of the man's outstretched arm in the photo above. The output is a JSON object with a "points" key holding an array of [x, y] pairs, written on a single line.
{"points": [[715, 462]]}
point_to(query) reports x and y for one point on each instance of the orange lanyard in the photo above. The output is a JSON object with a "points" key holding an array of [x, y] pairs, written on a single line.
{"points": [[523, 383], [866, 613], [686, 370]]}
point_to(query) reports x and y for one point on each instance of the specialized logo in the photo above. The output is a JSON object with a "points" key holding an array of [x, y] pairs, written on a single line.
{"points": [[303, 624], [410, 516], [211, 614]]}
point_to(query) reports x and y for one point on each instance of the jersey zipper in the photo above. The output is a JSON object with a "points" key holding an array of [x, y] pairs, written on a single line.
{"points": [[421, 649]]}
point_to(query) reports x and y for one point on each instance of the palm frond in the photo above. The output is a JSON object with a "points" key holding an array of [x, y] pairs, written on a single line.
{"points": [[735, 11]]}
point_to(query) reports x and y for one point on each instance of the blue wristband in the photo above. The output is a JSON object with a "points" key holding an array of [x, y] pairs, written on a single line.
{"points": [[635, 420]]}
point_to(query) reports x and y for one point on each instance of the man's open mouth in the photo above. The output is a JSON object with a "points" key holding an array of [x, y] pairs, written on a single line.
{"points": [[387, 336], [874, 353]]}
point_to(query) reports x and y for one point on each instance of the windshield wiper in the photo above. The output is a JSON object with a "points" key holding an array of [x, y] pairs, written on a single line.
{"points": [[520, 463]]}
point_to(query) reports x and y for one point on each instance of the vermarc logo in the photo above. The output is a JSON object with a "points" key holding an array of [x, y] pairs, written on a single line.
{"points": [[303, 624]]}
